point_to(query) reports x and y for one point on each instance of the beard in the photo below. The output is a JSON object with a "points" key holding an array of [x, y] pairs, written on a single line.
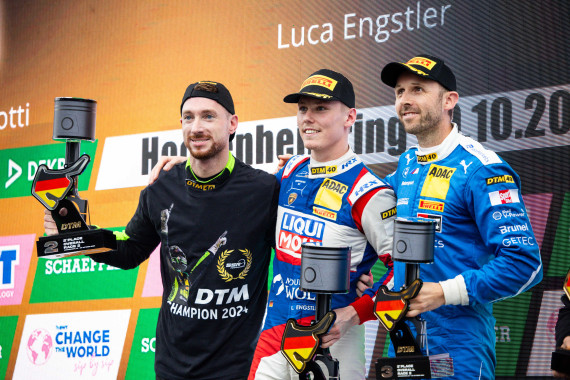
{"points": [[429, 121], [201, 154]]}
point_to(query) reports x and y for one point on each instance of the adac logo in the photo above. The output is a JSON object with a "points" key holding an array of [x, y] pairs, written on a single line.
{"points": [[330, 194], [431, 205], [320, 80], [388, 213], [291, 198], [200, 186], [436, 184], [319, 170], [243, 265], [427, 157], [500, 179]]}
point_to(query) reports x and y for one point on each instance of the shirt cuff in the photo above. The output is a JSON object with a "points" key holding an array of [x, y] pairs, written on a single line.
{"points": [[364, 307], [455, 291]]}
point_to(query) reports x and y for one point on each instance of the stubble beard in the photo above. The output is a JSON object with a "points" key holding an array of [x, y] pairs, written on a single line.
{"points": [[429, 122], [215, 149]]}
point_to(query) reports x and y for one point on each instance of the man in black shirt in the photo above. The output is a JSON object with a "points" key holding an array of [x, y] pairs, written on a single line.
{"points": [[214, 217]]}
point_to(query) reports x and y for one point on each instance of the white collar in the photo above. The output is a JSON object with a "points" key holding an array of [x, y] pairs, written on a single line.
{"points": [[439, 152]]}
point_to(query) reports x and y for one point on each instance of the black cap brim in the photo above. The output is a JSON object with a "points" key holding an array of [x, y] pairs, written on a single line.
{"points": [[392, 71]]}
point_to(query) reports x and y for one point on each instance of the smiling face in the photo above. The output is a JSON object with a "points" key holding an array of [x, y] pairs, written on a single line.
{"points": [[423, 107], [206, 127], [324, 127]]}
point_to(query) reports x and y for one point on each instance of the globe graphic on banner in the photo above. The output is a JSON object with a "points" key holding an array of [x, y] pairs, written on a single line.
{"points": [[39, 346]]}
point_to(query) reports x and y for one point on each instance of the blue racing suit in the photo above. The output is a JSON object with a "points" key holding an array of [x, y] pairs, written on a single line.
{"points": [[485, 250], [337, 203]]}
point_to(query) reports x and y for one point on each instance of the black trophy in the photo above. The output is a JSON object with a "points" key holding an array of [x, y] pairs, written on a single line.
{"points": [[413, 244], [324, 271], [74, 120], [560, 360]]}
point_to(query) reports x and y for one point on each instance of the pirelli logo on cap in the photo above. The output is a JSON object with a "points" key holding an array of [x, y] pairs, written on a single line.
{"points": [[431, 205], [330, 194], [427, 157], [389, 213], [421, 61], [500, 179], [324, 213], [319, 170], [320, 80], [436, 184]]}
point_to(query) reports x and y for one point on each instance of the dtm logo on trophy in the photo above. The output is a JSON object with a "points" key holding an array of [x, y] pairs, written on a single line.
{"points": [[74, 120]]}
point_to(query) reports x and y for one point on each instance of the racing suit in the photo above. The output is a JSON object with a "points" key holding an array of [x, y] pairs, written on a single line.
{"points": [[216, 240], [485, 250], [339, 203]]}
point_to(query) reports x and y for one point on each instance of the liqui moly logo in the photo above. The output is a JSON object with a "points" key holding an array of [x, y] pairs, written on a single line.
{"points": [[502, 197], [296, 230]]}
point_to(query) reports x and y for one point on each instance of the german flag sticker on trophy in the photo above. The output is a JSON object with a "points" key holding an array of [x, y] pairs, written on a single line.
{"points": [[56, 190]]}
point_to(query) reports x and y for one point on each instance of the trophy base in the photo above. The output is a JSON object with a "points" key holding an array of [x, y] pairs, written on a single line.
{"points": [[84, 242], [410, 367], [561, 361]]}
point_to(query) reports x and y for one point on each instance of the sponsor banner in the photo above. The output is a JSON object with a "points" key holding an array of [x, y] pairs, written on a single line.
{"points": [[15, 254], [509, 330], [259, 142], [379, 137], [256, 143], [18, 166], [86, 345], [7, 333], [560, 259], [141, 359], [544, 339], [153, 280], [80, 278]]}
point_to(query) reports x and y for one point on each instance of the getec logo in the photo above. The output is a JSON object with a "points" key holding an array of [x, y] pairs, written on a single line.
{"points": [[18, 166], [9, 258]]}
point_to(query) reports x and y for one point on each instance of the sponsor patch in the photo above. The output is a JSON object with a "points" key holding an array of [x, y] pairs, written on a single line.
{"points": [[388, 213], [200, 186], [421, 61], [431, 205], [324, 213], [291, 198], [513, 228], [330, 194], [296, 230], [320, 170], [427, 157], [436, 184], [320, 80], [438, 219], [402, 201], [502, 197], [500, 179]]}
